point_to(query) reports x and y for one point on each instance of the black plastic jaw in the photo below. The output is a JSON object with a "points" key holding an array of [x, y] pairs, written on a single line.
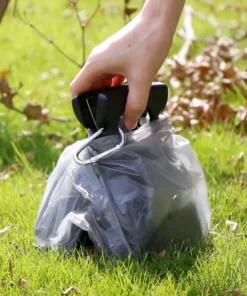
{"points": [[104, 107]]}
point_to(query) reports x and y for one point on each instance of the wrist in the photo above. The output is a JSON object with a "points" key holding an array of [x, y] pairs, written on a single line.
{"points": [[163, 15]]}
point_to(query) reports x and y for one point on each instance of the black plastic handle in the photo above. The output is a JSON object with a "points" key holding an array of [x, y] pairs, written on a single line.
{"points": [[104, 107]]}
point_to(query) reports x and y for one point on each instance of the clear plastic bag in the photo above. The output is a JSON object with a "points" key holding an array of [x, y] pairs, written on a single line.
{"points": [[150, 192]]}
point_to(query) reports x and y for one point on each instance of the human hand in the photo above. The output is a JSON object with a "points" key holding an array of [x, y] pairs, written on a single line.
{"points": [[136, 52]]}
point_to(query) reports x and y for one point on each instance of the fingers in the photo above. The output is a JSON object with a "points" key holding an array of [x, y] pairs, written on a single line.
{"points": [[91, 77], [87, 79], [136, 103]]}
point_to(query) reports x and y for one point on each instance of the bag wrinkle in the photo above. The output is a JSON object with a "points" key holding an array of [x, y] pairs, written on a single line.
{"points": [[149, 193]]}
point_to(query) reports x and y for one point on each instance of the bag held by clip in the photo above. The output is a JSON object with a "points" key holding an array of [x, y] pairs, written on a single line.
{"points": [[149, 192]]}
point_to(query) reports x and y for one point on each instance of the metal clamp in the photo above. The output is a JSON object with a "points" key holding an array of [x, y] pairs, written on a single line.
{"points": [[102, 155]]}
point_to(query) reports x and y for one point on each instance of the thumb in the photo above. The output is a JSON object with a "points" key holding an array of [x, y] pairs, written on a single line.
{"points": [[136, 103]]}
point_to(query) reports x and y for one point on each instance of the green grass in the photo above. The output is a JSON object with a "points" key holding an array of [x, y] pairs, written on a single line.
{"points": [[207, 270]]}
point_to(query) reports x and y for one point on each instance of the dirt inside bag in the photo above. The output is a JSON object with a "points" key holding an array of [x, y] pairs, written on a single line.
{"points": [[149, 193]]}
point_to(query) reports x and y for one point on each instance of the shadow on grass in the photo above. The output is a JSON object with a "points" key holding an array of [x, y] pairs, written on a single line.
{"points": [[176, 261]]}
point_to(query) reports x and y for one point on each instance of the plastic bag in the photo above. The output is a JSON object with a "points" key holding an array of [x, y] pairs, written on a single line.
{"points": [[150, 192]]}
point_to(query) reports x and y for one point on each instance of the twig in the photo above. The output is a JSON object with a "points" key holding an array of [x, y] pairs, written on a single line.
{"points": [[31, 111], [55, 118], [3, 7], [126, 2], [210, 19], [189, 34], [28, 23], [83, 46], [199, 39], [83, 26], [60, 119], [15, 8], [16, 109], [210, 4], [74, 4], [94, 13]]}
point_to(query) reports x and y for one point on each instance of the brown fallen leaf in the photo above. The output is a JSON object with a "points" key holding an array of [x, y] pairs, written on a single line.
{"points": [[4, 175], [54, 136], [224, 112], [234, 292], [36, 112], [3, 283], [22, 283], [6, 94], [162, 254], [6, 229], [70, 290], [129, 11]]}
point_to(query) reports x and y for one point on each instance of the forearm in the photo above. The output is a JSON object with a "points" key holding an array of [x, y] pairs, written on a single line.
{"points": [[165, 14]]}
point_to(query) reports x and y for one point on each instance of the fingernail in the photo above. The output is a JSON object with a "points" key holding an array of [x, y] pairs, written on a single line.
{"points": [[130, 123]]}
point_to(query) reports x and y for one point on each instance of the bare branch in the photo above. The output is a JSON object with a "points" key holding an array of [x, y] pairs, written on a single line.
{"points": [[83, 25], [230, 292], [83, 46], [60, 119], [74, 5], [28, 23], [189, 34], [210, 19], [31, 111], [15, 7], [3, 7], [93, 14]]}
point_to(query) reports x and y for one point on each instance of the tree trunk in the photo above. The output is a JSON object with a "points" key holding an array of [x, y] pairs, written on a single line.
{"points": [[3, 7]]}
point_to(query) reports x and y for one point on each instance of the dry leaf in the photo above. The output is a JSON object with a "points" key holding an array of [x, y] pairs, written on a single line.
{"points": [[6, 94], [200, 82], [162, 254], [230, 292], [36, 112], [22, 283], [70, 290], [4, 175], [129, 11], [224, 112], [6, 229], [55, 136], [3, 283]]}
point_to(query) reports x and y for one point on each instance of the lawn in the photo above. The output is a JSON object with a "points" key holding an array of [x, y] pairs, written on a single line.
{"points": [[28, 153]]}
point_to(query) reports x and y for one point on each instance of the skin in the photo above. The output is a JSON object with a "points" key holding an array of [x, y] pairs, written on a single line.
{"points": [[136, 53]]}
